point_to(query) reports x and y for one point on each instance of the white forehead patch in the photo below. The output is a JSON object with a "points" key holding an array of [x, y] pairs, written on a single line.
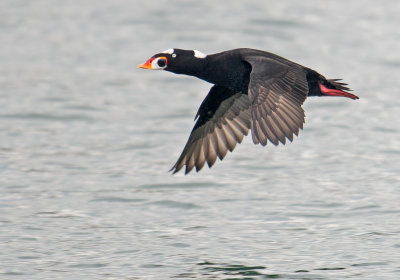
{"points": [[169, 51], [199, 54]]}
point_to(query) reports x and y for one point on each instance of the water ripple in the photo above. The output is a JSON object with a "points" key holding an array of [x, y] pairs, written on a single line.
{"points": [[175, 204], [47, 117]]}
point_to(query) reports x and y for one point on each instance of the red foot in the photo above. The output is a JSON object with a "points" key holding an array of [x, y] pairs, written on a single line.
{"points": [[335, 92]]}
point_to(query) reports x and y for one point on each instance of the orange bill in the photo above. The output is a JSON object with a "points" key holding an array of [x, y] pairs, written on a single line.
{"points": [[147, 64]]}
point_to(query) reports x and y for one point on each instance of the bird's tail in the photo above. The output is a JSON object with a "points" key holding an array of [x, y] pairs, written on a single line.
{"points": [[333, 87]]}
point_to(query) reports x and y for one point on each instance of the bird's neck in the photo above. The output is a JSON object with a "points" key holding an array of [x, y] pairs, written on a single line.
{"points": [[223, 69], [194, 67]]}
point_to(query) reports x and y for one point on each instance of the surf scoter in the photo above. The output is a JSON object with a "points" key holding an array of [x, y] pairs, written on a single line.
{"points": [[252, 89]]}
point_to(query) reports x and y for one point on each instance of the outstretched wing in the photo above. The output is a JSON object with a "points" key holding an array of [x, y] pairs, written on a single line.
{"points": [[223, 120], [276, 92]]}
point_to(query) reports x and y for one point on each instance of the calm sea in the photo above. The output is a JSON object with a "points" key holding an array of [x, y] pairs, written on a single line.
{"points": [[86, 142]]}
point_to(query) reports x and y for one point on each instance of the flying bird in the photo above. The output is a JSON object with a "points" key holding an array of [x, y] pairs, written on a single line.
{"points": [[252, 90]]}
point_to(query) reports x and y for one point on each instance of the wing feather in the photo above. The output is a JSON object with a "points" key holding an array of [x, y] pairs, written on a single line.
{"points": [[221, 143], [223, 121], [277, 90]]}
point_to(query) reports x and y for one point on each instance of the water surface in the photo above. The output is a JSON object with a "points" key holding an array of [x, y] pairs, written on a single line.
{"points": [[87, 140]]}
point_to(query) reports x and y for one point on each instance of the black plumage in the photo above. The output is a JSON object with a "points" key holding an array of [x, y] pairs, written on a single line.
{"points": [[253, 90]]}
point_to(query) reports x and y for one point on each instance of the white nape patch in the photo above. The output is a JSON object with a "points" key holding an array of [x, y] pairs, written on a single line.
{"points": [[199, 54], [169, 51]]}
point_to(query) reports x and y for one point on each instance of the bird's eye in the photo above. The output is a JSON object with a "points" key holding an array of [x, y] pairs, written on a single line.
{"points": [[173, 55], [161, 62]]}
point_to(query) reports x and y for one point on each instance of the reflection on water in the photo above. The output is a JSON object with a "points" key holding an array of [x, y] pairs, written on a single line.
{"points": [[236, 271], [239, 271]]}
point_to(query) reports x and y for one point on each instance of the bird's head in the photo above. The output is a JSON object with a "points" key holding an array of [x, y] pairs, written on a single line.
{"points": [[174, 60]]}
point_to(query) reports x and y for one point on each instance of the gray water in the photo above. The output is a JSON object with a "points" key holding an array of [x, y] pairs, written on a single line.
{"points": [[86, 141]]}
